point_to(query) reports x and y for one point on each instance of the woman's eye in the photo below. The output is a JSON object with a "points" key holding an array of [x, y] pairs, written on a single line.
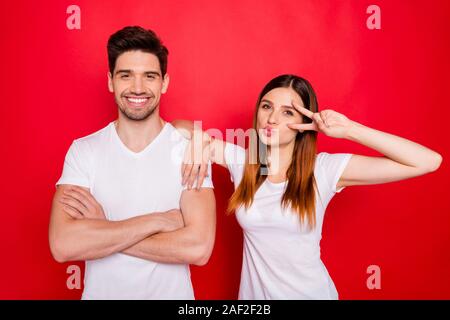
{"points": [[289, 113], [265, 106]]}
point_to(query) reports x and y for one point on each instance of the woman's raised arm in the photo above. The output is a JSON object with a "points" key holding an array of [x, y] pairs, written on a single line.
{"points": [[403, 159]]}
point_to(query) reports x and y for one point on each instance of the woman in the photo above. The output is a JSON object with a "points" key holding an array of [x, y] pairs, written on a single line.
{"points": [[282, 187]]}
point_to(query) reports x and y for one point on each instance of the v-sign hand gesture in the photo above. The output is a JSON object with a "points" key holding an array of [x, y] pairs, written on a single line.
{"points": [[329, 122]]}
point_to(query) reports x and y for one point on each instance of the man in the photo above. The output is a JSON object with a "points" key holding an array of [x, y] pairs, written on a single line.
{"points": [[120, 204]]}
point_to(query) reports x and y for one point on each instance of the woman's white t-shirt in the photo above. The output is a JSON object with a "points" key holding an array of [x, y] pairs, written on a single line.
{"points": [[281, 258]]}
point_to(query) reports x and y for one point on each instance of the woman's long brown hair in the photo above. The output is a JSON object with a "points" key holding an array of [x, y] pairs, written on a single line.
{"points": [[300, 191]]}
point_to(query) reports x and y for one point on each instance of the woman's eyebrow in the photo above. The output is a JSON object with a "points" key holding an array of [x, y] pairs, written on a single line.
{"points": [[283, 106]]}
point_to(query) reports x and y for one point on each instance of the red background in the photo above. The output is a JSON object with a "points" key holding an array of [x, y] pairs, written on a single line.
{"points": [[54, 89]]}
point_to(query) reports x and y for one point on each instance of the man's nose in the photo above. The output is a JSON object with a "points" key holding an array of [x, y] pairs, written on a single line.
{"points": [[137, 85]]}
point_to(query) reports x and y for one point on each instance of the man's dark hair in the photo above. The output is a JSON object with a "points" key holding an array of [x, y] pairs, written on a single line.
{"points": [[136, 38]]}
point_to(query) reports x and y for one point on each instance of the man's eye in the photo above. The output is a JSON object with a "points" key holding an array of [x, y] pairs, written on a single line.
{"points": [[124, 76]]}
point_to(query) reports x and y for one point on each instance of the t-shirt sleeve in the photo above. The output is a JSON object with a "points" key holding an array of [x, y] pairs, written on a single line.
{"points": [[235, 159], [332, 165], [75, 170]]}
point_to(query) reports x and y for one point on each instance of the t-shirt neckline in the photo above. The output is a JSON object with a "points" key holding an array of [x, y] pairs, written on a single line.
{"points": [[275, 185], [143, 151]]}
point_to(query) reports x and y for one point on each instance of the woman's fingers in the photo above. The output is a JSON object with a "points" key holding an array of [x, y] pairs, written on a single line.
{"points": [[193, 176], [196, 159], [183, 167], [302, 110], [188, 164], [192, 157], [324, 116], [317, 125], [303, 126], [186, 172], [202, 174], [203, 171], [329, 122], [318, 119]]}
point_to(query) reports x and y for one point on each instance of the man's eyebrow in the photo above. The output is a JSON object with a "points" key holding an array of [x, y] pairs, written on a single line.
{"points": [[123, 71], [131, 71], [152, 72]]}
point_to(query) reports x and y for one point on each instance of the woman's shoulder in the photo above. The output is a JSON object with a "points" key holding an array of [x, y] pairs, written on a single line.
{"points": [[325, 158], [234, 154], [329, 167]]}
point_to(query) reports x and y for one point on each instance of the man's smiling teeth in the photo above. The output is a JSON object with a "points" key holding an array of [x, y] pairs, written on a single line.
{"points": [[137, 100]]}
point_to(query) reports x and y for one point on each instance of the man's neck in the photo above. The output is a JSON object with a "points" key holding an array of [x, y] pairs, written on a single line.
{"points": [[137, 135]]}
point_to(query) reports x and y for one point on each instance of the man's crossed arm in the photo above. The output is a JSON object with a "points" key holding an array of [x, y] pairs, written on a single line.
{"points": [[79, 230]]}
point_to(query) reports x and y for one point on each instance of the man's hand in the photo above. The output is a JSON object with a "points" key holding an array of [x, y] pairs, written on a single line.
{"points": [[171, 220], [80, 204], [79, 231], [191, 244]]}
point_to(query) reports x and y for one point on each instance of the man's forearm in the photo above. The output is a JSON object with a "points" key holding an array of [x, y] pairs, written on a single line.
{"points": [[183, 246], [89, 239]]}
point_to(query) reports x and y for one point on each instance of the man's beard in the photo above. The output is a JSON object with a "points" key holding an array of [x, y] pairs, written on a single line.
{"points": [[134, 116]]}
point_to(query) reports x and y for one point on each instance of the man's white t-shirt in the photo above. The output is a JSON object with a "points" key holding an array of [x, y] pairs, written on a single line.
{"points": [[281, 258], [129, 184]]}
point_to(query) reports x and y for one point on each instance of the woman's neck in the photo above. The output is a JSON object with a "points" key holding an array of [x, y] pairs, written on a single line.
{"points": [[280, 158]]}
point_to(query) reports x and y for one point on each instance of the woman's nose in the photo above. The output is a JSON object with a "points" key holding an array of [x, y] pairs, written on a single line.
{"points": [[273, 118]]}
